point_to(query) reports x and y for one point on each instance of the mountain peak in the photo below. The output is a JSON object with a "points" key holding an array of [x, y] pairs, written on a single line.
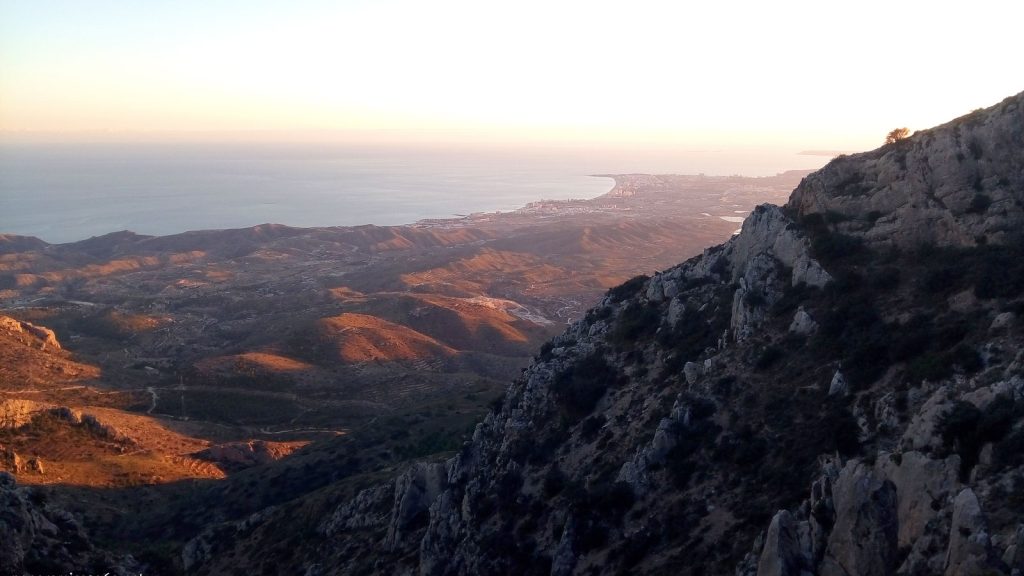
{"points": [[958, 184]]}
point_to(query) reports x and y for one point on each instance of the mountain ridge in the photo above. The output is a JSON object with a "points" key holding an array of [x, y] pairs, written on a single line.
{"points": [[534, 493]]}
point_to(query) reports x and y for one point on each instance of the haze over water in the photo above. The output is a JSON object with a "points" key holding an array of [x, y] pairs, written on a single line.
{"points": [[68, 192]]}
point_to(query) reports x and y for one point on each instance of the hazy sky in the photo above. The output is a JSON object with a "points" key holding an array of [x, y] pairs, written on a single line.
{"points": [[826, 74]]}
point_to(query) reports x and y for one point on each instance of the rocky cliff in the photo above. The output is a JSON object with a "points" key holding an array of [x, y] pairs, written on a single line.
{"points": [[39, 538], [837, 390]]}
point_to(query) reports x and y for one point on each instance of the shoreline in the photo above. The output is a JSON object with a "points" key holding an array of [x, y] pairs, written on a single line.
{"points": [[423, 222]]}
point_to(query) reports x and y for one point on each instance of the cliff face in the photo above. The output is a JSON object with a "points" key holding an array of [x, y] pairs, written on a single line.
{"points": [[837, 390], [41, 538], [955, 185]]}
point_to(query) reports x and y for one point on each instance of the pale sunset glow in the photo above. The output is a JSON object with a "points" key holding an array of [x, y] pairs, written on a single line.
{"points": [[806, 74]]}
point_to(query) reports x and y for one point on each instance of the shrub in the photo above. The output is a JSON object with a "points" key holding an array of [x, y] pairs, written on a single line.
{"points": [[965, 429], [507, 489], [592, 535], [885, 278], [611, 501], [998, 418], [545, 350], [754, 298], [853, 185], [702, 408], [628, 288], [831, 248], [591, 426], [998, 271], [931, 366], [979, 204], [769, 357], [911, 339], [854, 331], [843, 430], [636, 322], [595, 314], [1009, 453], [792, 298], [958, 428], [688, 338], [896, 135], [943, 279], [833, 217], [966, 358], [720, 267], [554, 481], [580, 387]]}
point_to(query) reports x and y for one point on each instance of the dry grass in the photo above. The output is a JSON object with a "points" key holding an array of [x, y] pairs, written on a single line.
{"points": [[363, 338]]}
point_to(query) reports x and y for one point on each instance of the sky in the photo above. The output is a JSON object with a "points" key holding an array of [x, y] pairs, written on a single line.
{"points": [[817, 74]]}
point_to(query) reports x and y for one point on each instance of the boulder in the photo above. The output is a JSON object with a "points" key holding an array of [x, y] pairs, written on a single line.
{"points": [[969, 543], [46, 336], [783, 554], [863, 540], [1002, 321], [693, 371], [923, 486], [802, 323], [415, 491], [11, 461], [838, 386], [922, 433], [35, 465]]}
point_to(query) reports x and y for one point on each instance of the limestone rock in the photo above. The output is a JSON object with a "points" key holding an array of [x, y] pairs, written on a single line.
{"points": [[48, 337], [693, 371], [922, 433], [415, 491], [769, 231], [838, 386], [237, 455], [864, 538], [1014, 555], [10, 324], [923, 487], [35, 465], [802, 323], [16, 412], [564, 559], [760, 288], [371, 508], [34, 534], [655, 289], [782, 554], [11, 461], [1002, 321], [925, 186], [969, 543], [676, 308]]}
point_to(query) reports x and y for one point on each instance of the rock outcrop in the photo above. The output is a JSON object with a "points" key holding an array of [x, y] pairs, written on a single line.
{"points": [[36, 536], [955, 185], [44, 336]]}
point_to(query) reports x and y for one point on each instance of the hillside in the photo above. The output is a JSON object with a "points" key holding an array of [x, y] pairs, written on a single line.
{"points": [[839, 389]]}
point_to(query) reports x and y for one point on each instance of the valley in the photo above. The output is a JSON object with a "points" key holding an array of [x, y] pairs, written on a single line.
{"points": [[194, 346]]}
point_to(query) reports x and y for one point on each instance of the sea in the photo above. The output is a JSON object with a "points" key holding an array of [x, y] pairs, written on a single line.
{"points": [[65, 192]]}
